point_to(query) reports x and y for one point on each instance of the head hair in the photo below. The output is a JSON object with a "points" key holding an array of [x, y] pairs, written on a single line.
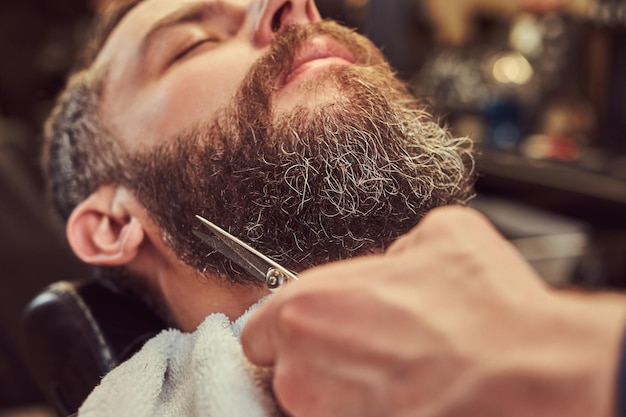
{"points": [[106, 22], [78, 153]]}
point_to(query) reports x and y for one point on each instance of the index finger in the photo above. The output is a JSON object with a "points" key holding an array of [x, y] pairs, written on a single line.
{"points": [[293, 309], [450, 225], [258, 337]]}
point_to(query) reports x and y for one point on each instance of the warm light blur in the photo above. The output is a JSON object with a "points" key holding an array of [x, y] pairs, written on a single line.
{"points": [[527, 36], [512, 68]]}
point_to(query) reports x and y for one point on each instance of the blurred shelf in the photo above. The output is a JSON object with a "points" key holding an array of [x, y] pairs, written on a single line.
{"points": [[552, 175]]}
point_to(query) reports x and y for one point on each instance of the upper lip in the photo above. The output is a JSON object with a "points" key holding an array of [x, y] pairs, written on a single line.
{"points": [[314, 49]]}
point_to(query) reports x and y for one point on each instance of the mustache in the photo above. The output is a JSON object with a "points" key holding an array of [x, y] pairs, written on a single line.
{"points": [[258, 87], [288, 41]]}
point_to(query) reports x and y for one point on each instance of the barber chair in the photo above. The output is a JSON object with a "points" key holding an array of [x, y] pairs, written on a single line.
{"points": [[76, 332]]}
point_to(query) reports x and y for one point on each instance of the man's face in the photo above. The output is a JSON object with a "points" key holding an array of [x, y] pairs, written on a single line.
{"points": [[172, 63], [298, 139]]}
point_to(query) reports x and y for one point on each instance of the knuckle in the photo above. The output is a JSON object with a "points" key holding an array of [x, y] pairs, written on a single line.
{"points": [[294, 315], [447, 215], [402, 243], [455, 221]]}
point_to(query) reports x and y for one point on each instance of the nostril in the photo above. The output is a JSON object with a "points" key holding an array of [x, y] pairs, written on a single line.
{"points": [[277, 20]]}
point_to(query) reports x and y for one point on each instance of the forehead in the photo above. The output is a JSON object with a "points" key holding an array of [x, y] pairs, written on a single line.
{"points": [[123, 41]]}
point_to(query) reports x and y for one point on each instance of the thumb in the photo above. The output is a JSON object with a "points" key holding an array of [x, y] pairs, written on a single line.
{"points": [[258, 337]]}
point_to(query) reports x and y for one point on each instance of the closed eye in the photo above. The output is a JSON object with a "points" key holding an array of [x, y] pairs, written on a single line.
{"points": [[188, 50]]}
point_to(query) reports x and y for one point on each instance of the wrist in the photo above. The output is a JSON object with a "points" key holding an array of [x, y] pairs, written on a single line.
{"points": [[563, 360], [584, 347], [601, 323]]}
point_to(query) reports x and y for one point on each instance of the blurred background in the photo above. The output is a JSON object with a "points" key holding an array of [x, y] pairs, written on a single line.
{"points": [[538, 84]]}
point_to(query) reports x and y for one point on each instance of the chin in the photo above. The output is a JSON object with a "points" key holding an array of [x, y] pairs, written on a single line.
{"points": [[310, 94]]}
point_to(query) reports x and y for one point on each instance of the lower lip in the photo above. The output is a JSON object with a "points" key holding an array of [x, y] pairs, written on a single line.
{"points": [[315, 66]]}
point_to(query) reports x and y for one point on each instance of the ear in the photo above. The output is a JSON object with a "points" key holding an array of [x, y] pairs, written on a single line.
{"points": [[102, 229]]}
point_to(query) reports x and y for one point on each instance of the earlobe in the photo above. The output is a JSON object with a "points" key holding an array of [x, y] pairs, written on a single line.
{"points": [[102, 232]]}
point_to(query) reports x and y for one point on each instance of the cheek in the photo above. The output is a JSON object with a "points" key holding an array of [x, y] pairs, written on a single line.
{"points": [[192, 91], [197, 92]]}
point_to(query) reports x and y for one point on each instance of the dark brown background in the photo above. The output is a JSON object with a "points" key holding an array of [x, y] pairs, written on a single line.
{"points": [[38, 40]]}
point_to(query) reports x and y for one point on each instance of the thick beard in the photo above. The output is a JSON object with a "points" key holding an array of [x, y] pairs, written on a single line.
{"points": [[319, 184]]}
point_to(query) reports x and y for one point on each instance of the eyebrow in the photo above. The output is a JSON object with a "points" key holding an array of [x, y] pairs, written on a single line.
{"points": [[192, 13]]}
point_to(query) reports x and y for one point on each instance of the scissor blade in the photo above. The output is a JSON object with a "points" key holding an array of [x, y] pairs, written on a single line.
{"points": [[248, 254], [233, 253]]}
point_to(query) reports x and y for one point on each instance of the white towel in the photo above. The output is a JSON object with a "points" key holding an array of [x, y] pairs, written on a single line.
{"points": [[177, 374]]}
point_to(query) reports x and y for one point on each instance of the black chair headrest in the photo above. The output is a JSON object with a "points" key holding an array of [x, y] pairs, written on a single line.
{"points": [[76, 332]]}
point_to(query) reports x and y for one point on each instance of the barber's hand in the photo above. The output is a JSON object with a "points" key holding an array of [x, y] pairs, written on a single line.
{"points": [[449, 322]]}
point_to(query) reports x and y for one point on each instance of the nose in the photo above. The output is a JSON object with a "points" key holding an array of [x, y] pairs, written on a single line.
{"points": [[276, 14]]}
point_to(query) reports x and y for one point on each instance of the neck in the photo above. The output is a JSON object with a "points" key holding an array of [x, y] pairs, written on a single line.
{"points": [[189, 295], [192, 296]]}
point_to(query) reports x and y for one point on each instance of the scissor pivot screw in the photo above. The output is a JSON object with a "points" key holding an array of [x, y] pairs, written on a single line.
{"points": [[274, 279]]}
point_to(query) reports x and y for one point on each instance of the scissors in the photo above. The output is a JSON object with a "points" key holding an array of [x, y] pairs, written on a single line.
{"points": [[250, 259]]}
